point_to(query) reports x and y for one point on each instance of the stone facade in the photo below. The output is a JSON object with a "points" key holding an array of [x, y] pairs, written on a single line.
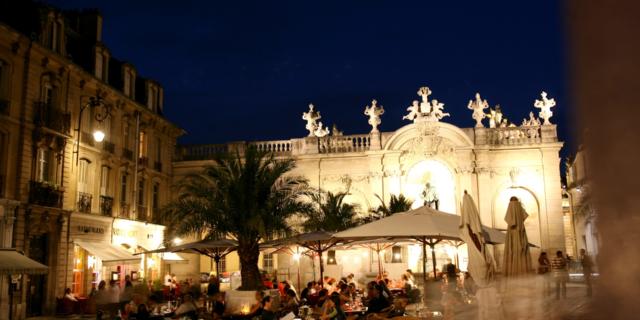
{"points": [[492, 164], [580, 204], [51, 169]]}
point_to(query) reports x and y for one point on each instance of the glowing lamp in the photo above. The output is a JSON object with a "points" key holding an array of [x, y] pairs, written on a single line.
{"points": [[98, 135]]}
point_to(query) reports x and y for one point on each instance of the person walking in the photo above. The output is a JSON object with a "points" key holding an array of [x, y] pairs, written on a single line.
{"points": [[587, 269], [560, 274]]}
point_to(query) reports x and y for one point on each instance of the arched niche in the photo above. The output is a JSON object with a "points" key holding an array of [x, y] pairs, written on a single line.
{"points": [[440, 178], [530, 204]]}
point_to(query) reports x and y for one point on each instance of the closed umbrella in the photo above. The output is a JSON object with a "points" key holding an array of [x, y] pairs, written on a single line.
{"points": [[517, 258], [481, 265]]}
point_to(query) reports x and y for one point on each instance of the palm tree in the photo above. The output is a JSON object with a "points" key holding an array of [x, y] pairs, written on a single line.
{"points": [[247, 197], [397, 203], [331, 214]]}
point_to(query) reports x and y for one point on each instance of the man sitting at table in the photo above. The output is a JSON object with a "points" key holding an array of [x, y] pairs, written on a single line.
{"points": [[376, 302]]}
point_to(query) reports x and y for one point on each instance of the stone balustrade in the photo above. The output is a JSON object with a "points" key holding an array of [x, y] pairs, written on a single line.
{"points": [[506, 136], [514, 135], [277, 146], [340, 144]]}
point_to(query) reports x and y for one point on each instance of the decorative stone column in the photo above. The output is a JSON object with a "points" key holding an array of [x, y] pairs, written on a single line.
{"points": [[548, 133], [480, 136], [375, 140], [311, 145]]}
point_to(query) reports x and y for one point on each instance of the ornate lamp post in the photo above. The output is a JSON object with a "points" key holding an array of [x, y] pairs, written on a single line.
{"points": [[101, 112]]}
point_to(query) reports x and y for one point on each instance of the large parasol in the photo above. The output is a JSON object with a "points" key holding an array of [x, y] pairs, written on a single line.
{"points": [[481, 264], [517, 258]]}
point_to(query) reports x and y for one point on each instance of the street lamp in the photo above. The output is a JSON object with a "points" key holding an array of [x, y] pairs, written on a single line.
{"points": [[101, 112]]}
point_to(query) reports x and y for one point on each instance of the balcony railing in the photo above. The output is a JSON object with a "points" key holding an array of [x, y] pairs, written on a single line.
{"points": [[143, 161], [141, 213], [106, 206], [157, 166], [124, 212], [4, 106], [350, 143], [84, 202], [46, 115], [108, 147], [45, 194], [127, 154]]}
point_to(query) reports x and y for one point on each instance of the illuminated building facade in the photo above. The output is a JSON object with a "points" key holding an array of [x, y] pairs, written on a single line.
{"points": [[64, 188], [430, 162]]}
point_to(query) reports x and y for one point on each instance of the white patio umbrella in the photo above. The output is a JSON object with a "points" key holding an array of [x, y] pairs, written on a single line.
{"points": [[213, 248], [481, 265], [517, 258], [425, 225]]}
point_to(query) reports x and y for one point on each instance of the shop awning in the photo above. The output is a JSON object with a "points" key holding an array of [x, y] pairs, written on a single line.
{"points": [[172, 258], [108, 253], [12, 262]]}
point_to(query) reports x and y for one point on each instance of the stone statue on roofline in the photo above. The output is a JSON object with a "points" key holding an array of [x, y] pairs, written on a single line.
{"points": [[424, 93], [311, 116], [425, 110], [320, 131], [495, 117], [414, 111], [374, 112], [478, 106], [545, 106], [335, 131]]}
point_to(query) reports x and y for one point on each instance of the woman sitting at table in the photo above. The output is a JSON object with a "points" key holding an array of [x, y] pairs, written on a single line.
{"points": [[289, 303], [332, 310], [187, 308]]}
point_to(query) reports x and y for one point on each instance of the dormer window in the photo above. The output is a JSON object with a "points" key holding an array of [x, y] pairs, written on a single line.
{"points": [[54, 33], [154, 97], [151, 97], [129, 81], [101, 65]]}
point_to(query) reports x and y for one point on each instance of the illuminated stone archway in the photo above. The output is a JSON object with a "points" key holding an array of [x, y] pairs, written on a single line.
{"points": [[439, 177], [531, 224]]}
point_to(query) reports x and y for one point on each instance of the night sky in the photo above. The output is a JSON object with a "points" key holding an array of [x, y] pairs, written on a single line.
{"points": [[236, 70]]}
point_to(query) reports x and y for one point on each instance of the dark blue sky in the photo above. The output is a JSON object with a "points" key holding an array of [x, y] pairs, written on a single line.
{"points": [[237, 70]]}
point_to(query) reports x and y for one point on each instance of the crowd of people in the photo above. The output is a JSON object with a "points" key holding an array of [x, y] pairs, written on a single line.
{"points": [[324, 299]]}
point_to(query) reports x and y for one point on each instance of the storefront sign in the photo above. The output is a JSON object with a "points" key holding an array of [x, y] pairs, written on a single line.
{"points": [[90, 229], [125, 233]]}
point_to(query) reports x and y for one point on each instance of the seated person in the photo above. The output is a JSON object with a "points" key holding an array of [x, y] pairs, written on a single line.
{"points": [[376, 303], [398, 310], [267, 313], [352, 291], [289, 303], [187, 308], [331, 308], [322, 297], [69, 296], [218, 305], [304, 294], [257, 307]]}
